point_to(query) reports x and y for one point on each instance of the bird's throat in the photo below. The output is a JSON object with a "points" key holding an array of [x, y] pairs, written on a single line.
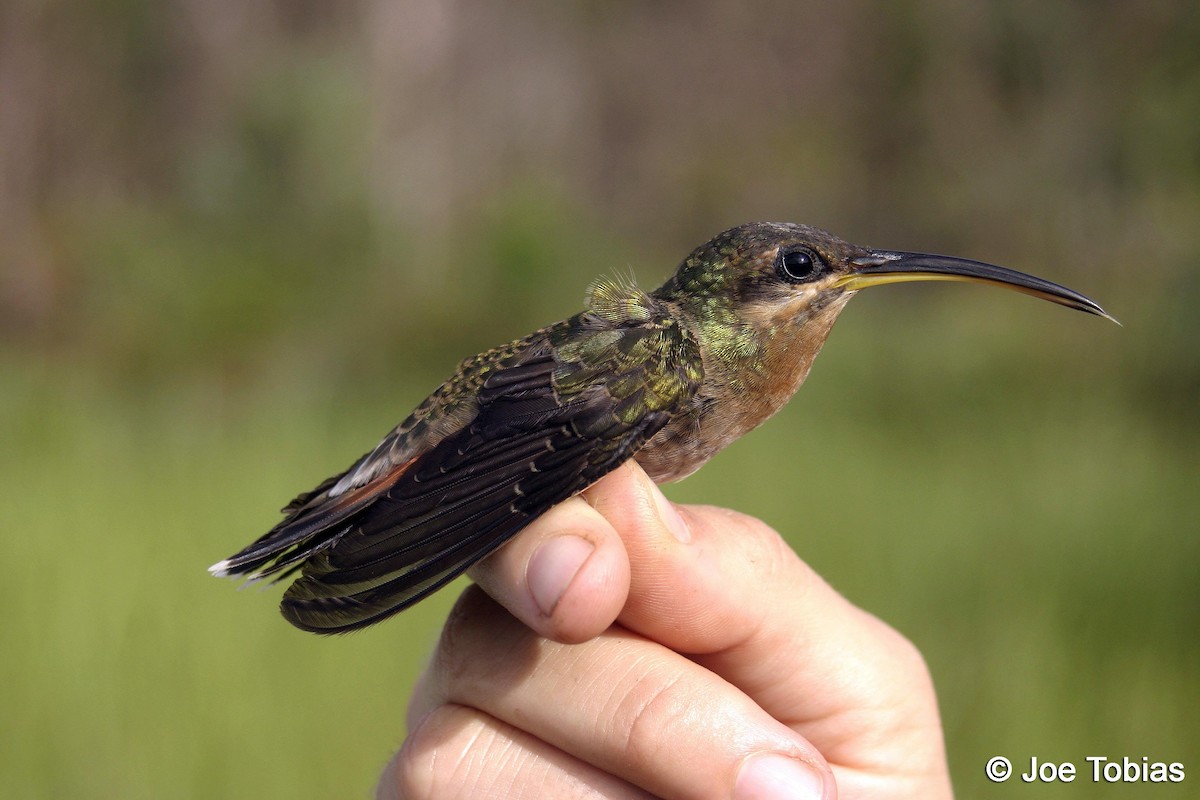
{"points": [[754, 361]]}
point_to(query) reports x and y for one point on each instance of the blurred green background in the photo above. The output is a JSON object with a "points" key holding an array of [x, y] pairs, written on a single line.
{"points": [[239, 241]]}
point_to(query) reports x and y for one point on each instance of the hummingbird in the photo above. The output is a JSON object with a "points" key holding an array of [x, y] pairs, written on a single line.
{"points": [[667, 378]]}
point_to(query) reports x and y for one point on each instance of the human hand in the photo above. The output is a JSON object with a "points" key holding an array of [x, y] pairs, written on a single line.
{"points": [[732, 670]]}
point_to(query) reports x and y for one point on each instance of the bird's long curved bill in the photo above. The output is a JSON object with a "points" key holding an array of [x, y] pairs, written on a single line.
{"points": [[893, 266]]}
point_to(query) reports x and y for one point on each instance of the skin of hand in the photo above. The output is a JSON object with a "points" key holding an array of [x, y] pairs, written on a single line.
{"points": [[636, 648]]}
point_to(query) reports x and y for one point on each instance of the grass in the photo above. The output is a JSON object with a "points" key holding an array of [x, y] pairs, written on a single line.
{"points": [[1023, 522]]}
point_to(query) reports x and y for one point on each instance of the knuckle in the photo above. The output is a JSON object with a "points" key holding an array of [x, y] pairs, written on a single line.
{"points": [[906, 701], [452, 657], [759, 543], [655, 705], [907, 657], [481, 645], [435, 760]]}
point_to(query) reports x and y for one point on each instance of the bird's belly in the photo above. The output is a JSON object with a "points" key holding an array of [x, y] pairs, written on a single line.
{"points": [[671, 461], [685, 444], [713, 421]]}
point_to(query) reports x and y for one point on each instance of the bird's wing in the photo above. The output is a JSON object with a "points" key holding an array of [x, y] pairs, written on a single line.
{"points": [[314, 519], [549, 416]]}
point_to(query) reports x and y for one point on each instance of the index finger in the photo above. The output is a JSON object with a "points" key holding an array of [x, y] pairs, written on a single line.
{"points": [[730, 592]]}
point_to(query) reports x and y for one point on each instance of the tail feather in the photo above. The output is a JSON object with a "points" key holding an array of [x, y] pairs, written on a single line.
{"points": [[392, 559], [330, 574], [309, 530], [307, 605]]}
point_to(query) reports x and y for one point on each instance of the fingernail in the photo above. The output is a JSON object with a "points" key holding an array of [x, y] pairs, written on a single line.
{"points": [[553, 567], [769, 776], [670, 515]]}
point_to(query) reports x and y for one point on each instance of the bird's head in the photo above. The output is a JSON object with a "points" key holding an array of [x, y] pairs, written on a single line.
{"points": [[777, 276], [761, 298]]}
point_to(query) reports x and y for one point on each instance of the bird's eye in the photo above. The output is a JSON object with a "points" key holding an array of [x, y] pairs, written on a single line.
{"points": [[798, 266]]}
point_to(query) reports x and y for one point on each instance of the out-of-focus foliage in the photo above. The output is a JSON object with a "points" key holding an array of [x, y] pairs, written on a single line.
{"points": [[240, 240]]}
